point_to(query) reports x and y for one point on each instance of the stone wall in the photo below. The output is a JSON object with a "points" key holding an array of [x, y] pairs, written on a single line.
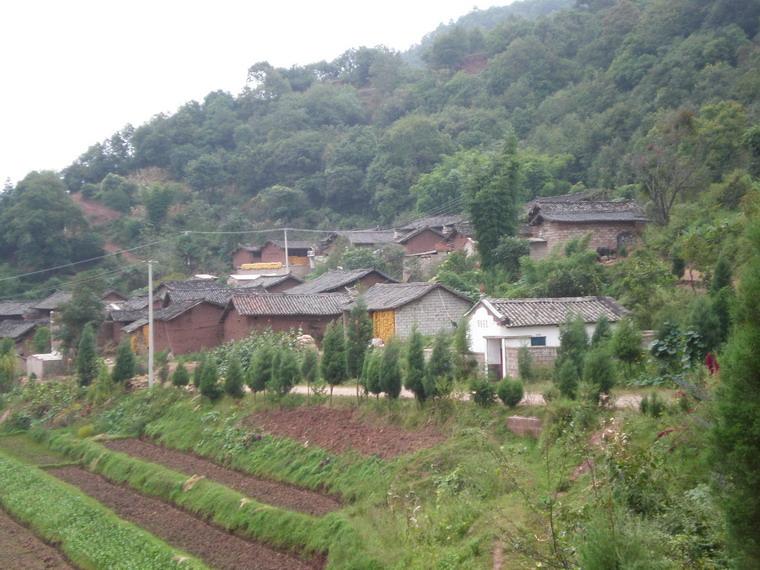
{"points": [[603, 234], [436, 311]]}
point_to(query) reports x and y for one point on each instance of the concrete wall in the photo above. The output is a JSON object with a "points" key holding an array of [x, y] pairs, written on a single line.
{"points": [[436, 311]]}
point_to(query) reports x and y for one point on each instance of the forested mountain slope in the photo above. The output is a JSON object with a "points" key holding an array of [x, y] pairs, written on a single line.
{"points": [[597, 95]]}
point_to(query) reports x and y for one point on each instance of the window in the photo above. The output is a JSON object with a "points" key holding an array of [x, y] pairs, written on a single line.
{"points": [[538, 341], [482, 324]]}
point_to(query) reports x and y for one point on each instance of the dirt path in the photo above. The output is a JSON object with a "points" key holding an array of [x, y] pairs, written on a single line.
{"points": [[269, 492], [343, 429], [21, 549], [214, 546]]}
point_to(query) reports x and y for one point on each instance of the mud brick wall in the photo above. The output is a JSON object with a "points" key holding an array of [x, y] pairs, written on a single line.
{"points": [[436, 311], [541, 355], [603, 234], [422, 242]]}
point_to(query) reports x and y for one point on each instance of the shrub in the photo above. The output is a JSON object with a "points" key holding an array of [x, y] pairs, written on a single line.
{"points": [[233, 379], [415, 366], [439, 371], [210, 381], [599, 372], [510, 392], [260, 368], [124, 368], [41, 340], [652, 405], [310, 367], [334, 366], [525, 364], [566, 379], [181, 377], [482, 392], [390, 370], [87, 357], [287, 374], [373, 381], [198, 373]]}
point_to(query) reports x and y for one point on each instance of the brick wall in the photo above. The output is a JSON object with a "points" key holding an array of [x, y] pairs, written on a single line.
{"points": [[236, 327], [603, 234], [195, 330], [541, 355], [438, 310], [422, 242], [242, 256]]}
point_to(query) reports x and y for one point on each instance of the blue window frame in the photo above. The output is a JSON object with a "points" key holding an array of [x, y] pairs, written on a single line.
{"points": [[538, 341]]}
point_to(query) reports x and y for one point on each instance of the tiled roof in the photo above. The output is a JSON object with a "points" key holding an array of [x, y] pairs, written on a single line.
{"points": [[433, 222], [285, 304], [216, 296], [417, 232], [553, 311], [365, 237], [54, 301], [267, 281], [334, 280], [588, 211], [189, 284], [15, 308], [165, 314], [126, 316], [292, 244], [385, 296], [17, 329]]}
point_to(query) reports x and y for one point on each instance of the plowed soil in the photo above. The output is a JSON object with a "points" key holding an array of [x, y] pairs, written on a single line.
{"points": [[21, 549], [342, 429], [219, 549], [270, 492]]}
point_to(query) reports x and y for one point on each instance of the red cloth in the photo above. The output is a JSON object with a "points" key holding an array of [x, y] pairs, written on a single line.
{"points": [[712, 363]]}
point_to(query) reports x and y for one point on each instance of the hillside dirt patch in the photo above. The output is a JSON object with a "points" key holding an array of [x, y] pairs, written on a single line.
{"points": [[20, 548], [265, 491], [343, 429], [95, 213], [216, 547]]}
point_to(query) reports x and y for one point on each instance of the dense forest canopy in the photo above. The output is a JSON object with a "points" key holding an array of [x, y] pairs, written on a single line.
{"points": [[654, 99]]}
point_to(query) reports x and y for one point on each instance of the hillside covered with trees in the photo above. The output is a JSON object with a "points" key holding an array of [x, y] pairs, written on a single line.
{"points": [[653, 99]]}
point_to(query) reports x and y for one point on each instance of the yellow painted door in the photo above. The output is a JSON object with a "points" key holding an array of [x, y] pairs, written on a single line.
{"points": [[384, 324]]}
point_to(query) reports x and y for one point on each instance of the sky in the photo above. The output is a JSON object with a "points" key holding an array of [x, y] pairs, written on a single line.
{"points": [[73, 72]]}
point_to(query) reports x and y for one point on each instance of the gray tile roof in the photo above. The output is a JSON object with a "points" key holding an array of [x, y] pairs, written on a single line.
{"points": [[267, 281], [434, 222], [587, 211], [15, 308], [285, 304], [54, 301], [366, 237], [190, 285], [216, 296], [292, 244], [553, 311], [165, 314], [418, 231], [17, 329], [335, 280], [386, 296]]}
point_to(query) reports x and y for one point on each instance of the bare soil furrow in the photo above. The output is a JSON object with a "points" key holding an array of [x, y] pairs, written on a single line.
{"points": [[263, 490], [219, 549], [21, 549]]}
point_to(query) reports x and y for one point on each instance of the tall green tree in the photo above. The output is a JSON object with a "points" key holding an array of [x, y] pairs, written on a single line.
{"points": [[41, 340], [85, 307], [415, 366], [310, 368], [260, 369], [233, 378], [493, 206], [602, 332], [210, 380], [599, 371], [287, 374], [373, 379], [87, 356], [334, 367], [390, 369], [440, 369], [125, 366], [573, 344], [7, 371], [736, 435], [626, 345], [358, 336]]}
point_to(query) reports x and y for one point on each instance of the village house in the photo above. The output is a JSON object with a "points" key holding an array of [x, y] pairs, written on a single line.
{"points": [[51, 304], [119, 315], [396, 308], [338, 280], [271, 256], [17, 310], [22, 333], [267, 283], [309, 314], [553, 221], [370, 239], [181, 327], [498, 328]]}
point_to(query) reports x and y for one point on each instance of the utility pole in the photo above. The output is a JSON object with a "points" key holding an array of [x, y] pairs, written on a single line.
{"points": [[150, 323], [287, 261]]}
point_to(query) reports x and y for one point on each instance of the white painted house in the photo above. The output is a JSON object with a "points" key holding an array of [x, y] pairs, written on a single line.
{"points": [[498, 328]]}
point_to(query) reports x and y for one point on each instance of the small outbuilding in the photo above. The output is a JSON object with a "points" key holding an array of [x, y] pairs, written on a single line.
{"points": [[396, 308], [498, 328]]}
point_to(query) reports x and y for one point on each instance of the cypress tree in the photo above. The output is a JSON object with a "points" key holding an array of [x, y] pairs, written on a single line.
{"points": [[288, 373], [180, 377], [599, 371], [274, 378], [415, 366], [602, 332], [703, 320], [736, 435], [260, 369], [510, 392], [464, 365], [210, 381], [573, 344], [626, 344], [334, 369], [7, 371], [374, 376], [722, 275], [310, 368], [41, 341], [124, 368], [233, 379], [358, 336], [390, 369], [198, 373], [87, 357], [566, 378], [439, 371]]}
